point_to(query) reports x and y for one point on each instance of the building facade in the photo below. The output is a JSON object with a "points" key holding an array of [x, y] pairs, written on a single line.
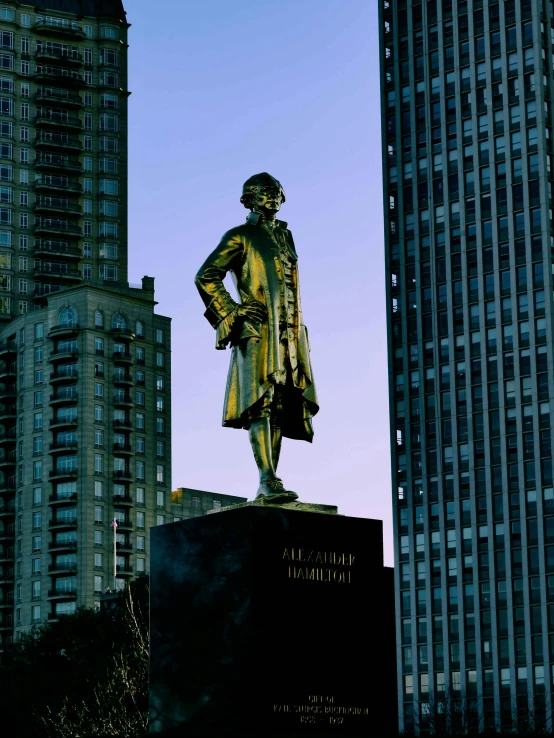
{"points": [[85, 439], [467, 136], [85, 383], [191, 503], [63, 149]]}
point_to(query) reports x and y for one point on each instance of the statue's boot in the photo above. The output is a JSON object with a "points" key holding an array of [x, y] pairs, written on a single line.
{"points": [[273, 491]]}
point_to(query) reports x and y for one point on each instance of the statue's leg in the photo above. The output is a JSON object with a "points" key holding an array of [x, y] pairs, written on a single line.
{"points": [[261, 442], [276, 438]]}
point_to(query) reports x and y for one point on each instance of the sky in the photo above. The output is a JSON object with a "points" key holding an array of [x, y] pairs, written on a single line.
{"points": [[220, 91]]}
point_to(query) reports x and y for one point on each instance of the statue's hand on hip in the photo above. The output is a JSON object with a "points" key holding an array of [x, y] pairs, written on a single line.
{"points": [[253, 311]]}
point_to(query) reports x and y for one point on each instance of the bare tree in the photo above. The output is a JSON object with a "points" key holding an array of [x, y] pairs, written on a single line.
{"points": [[119, 701]]}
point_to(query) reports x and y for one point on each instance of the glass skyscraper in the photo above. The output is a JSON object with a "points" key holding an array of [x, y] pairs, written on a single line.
{"points": [[467, 168]]}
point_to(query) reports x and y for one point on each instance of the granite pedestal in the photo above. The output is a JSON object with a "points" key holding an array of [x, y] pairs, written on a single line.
{"points": [[270, 622]]}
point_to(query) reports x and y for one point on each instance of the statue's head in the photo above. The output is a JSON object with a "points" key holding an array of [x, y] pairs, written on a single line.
{"points": [[263, 193]]}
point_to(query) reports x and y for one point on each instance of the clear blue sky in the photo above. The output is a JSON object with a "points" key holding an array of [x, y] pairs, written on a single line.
{"points": [[222, 90]]}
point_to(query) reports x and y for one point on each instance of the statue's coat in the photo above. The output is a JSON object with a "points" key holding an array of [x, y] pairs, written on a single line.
{"points": [[250, 253]]}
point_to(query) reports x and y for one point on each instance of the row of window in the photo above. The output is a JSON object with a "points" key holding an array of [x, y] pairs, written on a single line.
{"points": [[26, 20]]}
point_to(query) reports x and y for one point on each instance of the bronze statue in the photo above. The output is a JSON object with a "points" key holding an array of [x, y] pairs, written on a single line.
{"points": [[270, 387]]}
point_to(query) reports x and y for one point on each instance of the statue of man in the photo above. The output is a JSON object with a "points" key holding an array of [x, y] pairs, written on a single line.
{"points": [[270, 387]]}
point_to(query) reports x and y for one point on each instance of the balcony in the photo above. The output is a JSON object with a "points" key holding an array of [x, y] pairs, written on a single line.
{"points": [[125, 571], [8, 459], [8, 437], [60, 446], [57, 248], [63, 353], [125, 525], [66, 275], [8, 511], [121, 400], [123, 380], [7, 412], [61, 568], [58, 120], [55, 226], [122, 448], [56, 97], [7, 393], [122, 357], [123, 425], [57, 141], [47, 161], [55, 499], [64, 396], [125, 547], [123, 334], [59, 76], [58, 27], [57, 204], [123, 500], [62, 594], [8, 370], [58, 184], [70, 57], [59, 475], [8, 347], [59, 423], [60, 331], [57, 377], [69, 546], [7, 579], [67, 523], [123, 476]]}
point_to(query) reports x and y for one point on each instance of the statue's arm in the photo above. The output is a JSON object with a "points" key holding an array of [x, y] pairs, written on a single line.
{"points": [[221, 309]]}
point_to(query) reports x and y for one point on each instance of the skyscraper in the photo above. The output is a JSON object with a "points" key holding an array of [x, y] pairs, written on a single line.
{"points": [[85, 385], [467, 138]]}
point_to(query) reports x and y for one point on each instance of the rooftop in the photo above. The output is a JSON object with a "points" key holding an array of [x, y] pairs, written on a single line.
{"points": [[90, 8]]}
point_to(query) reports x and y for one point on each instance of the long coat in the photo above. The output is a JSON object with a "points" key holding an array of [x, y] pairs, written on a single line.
{"points": [[250, 252]]}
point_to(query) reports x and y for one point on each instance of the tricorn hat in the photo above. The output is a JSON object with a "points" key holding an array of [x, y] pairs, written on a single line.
{"points": [[265, 180]]}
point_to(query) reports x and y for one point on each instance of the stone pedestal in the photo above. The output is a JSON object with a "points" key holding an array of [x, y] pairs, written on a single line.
{"points": [[271, 623]]}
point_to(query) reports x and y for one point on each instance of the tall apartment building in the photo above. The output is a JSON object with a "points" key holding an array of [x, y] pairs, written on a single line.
{"points": [[467, 134], [85, 387]]}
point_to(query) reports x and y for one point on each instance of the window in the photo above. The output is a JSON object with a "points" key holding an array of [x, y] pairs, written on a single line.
{"points": [[37, 496], [140, 470], [37, 521], [139, 421], [140, 520], [98, 390], [98, 463], [98, 514], [98, 414], [160, 498], [119, 322], [140, 495], [98, 488], [99, 319], [98, 584], [160, 359], [109, 272], [68, 318], [160, 404]]}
